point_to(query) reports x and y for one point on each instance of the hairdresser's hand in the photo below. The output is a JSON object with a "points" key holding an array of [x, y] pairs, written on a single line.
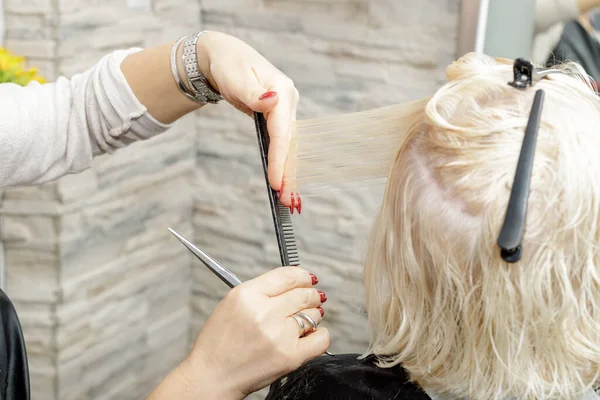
{"points": [[250, 339], [251, 83]]}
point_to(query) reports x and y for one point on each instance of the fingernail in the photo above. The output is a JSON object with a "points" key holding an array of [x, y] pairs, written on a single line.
{"points": [[321, 311], [314, 279], [293, 204], [267, 95], [298, 203], [323, 296]]}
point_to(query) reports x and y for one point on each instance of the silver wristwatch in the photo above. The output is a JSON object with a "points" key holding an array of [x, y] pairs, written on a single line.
{"points": [[203, 91]]}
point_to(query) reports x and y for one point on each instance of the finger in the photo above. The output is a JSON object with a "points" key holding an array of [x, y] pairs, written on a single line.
{"points": [[313, 345], [316, 314], [301, 325], [279, 124], [281, 280], [279, 99], [298, 299], [247, 89], [296, 327]]}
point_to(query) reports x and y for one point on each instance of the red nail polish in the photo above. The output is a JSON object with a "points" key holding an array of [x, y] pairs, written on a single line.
{"points": [[314, 279], [323, 296], [321, 311], [267, 95], [293, 204], [298, 203]]}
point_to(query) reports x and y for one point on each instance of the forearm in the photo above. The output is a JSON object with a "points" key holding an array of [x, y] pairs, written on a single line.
{"points": [[51, 130], [189, 382], [585, 6], [150, 77]]}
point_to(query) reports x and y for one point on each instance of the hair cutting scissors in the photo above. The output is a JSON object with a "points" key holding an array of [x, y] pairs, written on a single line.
{"points": [[231, 279], [223, 273]]}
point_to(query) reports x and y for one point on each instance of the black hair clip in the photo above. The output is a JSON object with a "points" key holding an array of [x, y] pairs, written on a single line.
{"points": [[525, 74], [522, 74], [511, 233]]}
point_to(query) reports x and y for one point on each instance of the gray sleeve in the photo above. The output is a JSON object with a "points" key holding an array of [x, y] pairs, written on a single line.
{"points": [[50, 130]]}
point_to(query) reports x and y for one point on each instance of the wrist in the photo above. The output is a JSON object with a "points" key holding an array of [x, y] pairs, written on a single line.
{"points": [[204, 382], [191, 66], [187, 383], [204, 57]]}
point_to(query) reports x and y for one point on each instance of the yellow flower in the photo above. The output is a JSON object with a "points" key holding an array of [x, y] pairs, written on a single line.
{"points": [[39, 79], [12, 69]]}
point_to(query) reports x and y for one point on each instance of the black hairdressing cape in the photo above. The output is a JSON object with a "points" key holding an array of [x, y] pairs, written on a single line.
{"points": [[345, 377], [14, 373], [576, 44]]}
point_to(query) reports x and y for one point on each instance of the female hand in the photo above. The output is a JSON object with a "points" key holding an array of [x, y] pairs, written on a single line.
{"points": [[251, 83], [251, 339]]}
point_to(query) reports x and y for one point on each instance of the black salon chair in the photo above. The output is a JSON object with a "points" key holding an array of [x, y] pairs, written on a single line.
{"points": [[14, 372]]}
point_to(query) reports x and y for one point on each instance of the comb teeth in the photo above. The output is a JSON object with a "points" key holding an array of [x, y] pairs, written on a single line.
{"points": [[289, 248], [284, 231]]}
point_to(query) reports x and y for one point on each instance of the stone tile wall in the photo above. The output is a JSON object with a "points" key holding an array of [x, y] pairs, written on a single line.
{"points": [[102, 288], [108, 300]]}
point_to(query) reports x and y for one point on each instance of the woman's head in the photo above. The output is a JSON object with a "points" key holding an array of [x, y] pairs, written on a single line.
{"points": [[440, 298]]}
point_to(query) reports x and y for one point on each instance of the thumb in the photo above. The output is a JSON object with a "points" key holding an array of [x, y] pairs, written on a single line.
{"points": [[256, 97], [263, 101], [313, 345]]}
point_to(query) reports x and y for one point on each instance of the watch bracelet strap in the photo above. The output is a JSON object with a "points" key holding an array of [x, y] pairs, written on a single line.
{"points": [[182, 88], [197, 82]]}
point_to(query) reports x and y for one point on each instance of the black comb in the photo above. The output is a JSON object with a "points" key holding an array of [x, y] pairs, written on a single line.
{"points": [[281, 214], [511, 234]]}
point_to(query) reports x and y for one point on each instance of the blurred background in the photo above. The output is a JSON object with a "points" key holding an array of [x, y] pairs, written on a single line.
{"points": [[109, 301]]}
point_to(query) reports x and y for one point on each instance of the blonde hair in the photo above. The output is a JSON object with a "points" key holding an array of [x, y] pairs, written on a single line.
{"points": [[440, 299]]}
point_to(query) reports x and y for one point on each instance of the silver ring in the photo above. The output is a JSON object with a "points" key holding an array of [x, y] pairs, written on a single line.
{"points": [[300, 322], [300, 316], [308, 319]]}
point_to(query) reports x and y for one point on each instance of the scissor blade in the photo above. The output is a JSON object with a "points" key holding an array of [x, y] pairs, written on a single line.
{"points": [[223, 273]]}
